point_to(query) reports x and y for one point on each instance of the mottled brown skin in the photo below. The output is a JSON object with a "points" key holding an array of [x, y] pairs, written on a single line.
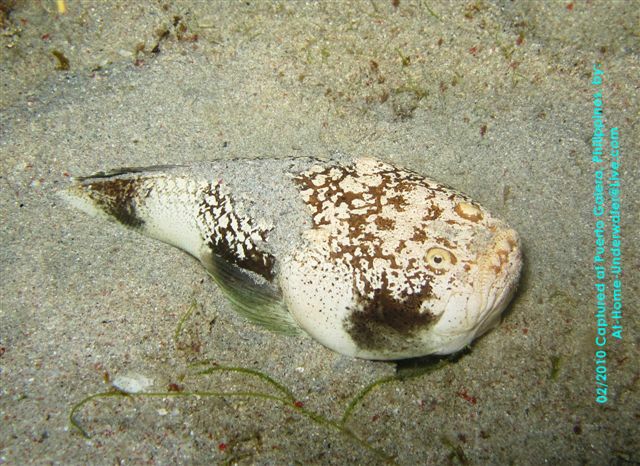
{"points": [[379, 319], [222, 239], [118, 198]]}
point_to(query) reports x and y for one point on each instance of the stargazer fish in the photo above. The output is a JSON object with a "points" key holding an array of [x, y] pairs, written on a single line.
{"points": [[371, 260]]}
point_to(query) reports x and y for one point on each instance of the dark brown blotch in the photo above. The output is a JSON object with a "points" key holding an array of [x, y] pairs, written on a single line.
{"points": [[258, 262], [388, 324], [119, 198], [385, 223], [398, 202], [419, 235], [433, 212]]}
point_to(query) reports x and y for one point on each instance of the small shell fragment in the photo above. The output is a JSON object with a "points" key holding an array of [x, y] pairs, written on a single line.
{"points": [[132, 383]]}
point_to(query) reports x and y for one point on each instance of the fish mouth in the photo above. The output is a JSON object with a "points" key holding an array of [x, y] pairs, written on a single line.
{"points": [[493, 287], [499, 272]]}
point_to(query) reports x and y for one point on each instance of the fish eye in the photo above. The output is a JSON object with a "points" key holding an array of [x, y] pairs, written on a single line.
{"points": [[440, 259]]}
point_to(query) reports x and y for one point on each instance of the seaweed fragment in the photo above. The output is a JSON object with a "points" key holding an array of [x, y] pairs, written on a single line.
{"points": [[273, 391], [63, 61]]}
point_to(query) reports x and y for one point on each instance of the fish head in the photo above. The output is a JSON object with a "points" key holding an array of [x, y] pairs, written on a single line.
{"points": [[397, 265], [472, 283]]}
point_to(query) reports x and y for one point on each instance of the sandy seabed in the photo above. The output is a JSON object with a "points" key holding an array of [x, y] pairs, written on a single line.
{"points": [[494, 98]]}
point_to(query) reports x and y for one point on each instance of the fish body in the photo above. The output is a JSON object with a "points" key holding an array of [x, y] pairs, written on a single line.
{"points": [[371, 260]]}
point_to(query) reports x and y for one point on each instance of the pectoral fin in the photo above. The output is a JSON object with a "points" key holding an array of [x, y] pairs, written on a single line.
{"points": [[250, 295]]}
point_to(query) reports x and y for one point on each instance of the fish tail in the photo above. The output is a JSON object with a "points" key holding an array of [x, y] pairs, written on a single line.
{"points": [[157, 202]]}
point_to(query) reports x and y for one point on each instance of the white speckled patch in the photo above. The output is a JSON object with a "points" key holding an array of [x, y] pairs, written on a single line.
{"points": [[368, 211], [234, 237]]}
